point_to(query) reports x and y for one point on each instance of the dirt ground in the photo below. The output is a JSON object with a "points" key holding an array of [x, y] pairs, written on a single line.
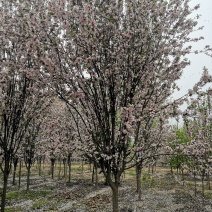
{"points": [[160, 192]]}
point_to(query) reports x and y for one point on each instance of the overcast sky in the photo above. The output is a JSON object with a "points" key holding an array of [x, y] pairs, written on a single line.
{"points": [[193, 72]]}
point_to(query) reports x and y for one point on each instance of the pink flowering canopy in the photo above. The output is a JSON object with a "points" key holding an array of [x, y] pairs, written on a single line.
{"points": [[23, 95], [116, 63]]}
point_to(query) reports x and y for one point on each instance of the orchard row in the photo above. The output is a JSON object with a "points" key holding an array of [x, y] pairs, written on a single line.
{"points": [[95, 78]]}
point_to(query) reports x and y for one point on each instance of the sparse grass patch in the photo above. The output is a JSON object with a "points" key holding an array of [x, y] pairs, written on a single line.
{"points": [[38, 204], [12, 194], [131, 173], [145, 176], [189, 183], [148, 180], [160, 205], [208, 194], [12, 209], [49, 195], [32, 194], [78, 168]]}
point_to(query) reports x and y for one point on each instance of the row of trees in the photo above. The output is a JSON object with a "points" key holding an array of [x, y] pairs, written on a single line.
{"points": [[114, 63], [192, 147]]}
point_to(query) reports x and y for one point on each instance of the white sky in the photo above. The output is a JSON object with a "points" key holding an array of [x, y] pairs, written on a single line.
{"points": [[193, 72]]}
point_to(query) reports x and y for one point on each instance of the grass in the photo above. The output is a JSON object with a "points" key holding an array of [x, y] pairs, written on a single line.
{"points": [[161, 205], [130, 173], [208, 194], [12, 194], [31, 194], [12, 209], [148, 180], [78, 169], [40, 201], [38, 204]]}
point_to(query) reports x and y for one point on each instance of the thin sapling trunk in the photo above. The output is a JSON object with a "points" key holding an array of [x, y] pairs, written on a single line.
{"points": [[15, 163]]}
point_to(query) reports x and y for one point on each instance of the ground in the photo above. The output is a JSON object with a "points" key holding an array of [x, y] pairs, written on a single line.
{"points": [[160, 192]]}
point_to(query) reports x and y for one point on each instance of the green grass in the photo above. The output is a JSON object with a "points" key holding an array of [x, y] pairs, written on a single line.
{"points": [[38, 204], [130, 173], [79, 169], [12, 209], [12, 194], [148, 180], [145, 176], [208, 194], [160, 205], [32, 194]]}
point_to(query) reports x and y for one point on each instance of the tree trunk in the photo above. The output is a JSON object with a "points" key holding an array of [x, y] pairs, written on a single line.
{"points": [[69, 172], [93, 174], [82, 167], [64, 167], [115, 198], [19, 175], [182, 173], [65, 173], [195, 185], [60, 165], [90, 167], [113, 185], [15, 163], [149, 170], [39, 166], [28, 176], [203, 190], [153, 167], [69, 167], [65, 178], [138, 179], [96, 175], [3, 198], [4, 192], [43, 163], [208, 179], [52, 167]]}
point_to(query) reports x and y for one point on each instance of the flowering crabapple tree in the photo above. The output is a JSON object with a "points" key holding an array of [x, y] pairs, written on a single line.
{"points": [[22, 95], [57, 136], [150, 129], [28, 145], [149, 138], [175, 145], [200, 162], [19, 103], [18, 158], [199, 127], [109, 59], [191, 148]]}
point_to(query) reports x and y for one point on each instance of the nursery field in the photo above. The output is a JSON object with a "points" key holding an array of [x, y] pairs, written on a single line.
{"points": [[161, 191]]}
